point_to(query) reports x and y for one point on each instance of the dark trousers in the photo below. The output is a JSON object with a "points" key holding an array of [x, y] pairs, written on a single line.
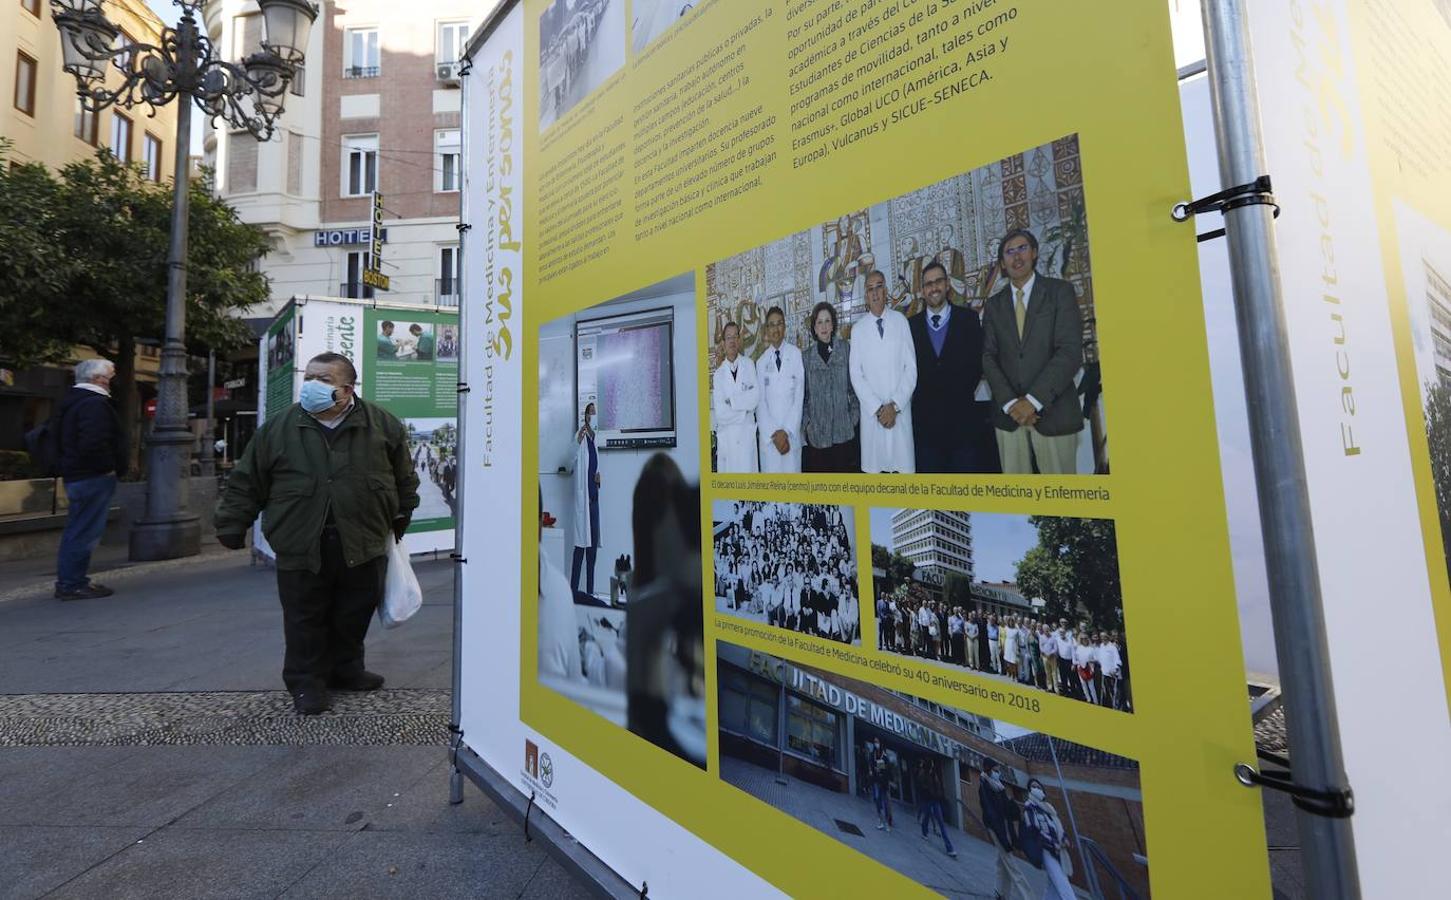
{"points": [[90, 500], [325, 616], [843, 457], [946, 458], [583, 555]]}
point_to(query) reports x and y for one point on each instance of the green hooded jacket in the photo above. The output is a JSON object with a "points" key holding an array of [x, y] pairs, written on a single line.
{"points": [[291, 475]]}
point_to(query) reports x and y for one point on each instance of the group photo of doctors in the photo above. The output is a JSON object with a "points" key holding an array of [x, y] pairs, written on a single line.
{"points": [[788, 565], [851, 348]]}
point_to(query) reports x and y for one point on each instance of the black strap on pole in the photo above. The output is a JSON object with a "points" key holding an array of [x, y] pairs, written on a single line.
{"points": [[1257, 192], [528, 838], [1330, 804], [644, 890]]}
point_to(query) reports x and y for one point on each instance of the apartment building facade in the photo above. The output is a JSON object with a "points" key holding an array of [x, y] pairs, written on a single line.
{"points": [[375, 109], [40, 113]]}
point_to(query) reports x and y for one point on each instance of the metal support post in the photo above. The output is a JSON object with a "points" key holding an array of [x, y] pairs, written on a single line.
{"points": [[1327, 845], [168, 530]]}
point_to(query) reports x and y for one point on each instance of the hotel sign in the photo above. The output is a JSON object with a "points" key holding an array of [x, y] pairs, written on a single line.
{"points": [[338, 237]]}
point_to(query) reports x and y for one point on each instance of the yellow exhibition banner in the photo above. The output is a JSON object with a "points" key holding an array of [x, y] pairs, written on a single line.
{"points": [[882, 537]]}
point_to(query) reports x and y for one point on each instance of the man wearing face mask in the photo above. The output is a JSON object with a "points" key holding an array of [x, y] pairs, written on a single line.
{"points": [[333, 481]]}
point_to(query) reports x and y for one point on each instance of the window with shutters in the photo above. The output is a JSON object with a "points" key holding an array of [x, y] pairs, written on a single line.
{"points": [[241, 163], [246, 36], [446, 173], [86, 123], [121, 136], [294, 162], [151, 156], [361, 53], [25, 82], [360, 164]]}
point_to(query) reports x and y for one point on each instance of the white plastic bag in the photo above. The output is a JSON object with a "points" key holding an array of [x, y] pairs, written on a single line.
{"points": [[401, 594]]}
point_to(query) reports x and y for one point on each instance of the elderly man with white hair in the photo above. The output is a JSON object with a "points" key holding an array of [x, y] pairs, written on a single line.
{"points": [[90, 455]]}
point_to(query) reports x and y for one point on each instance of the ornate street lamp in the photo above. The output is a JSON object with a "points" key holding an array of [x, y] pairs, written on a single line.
{"points": [[248, 96]]}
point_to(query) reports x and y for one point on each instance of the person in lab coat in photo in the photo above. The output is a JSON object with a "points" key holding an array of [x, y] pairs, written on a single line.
{"points": [[586, 503], [782, 375], [884, 376], [736, 399]]}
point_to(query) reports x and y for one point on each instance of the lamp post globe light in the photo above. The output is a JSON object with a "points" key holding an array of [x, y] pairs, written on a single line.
{"points": [[184, 67]]}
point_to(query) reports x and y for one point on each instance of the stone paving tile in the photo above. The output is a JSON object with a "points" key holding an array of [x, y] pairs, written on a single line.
{"points": [[38, 860], [332, 788], [386, 717], [199, 865], [408, 866]]}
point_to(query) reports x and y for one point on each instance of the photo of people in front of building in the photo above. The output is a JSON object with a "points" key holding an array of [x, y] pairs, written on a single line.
{"points": [[620, 620], [963, 804], [788, 565], [951, 330], [581, 43], [1033, 601], [433, 445]]}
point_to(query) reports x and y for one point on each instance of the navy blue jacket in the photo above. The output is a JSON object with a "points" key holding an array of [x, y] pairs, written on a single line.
{"points": [[90, 436]]}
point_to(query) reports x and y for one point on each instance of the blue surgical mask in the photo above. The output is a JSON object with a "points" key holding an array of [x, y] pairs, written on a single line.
{"points": [[316, 396]]}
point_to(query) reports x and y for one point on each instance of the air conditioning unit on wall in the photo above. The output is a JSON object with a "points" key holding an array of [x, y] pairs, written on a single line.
{"points": [[448, 71]]}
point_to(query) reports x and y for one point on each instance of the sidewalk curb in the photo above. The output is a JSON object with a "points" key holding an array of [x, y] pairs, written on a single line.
{"points": [[45, 588]]}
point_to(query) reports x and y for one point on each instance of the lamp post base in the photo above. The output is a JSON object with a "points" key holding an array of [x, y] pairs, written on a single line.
{"points": [[169, 539]]}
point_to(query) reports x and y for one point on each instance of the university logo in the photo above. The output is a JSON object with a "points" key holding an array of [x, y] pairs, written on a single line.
{"points": [[546, 770], [531, 759]]}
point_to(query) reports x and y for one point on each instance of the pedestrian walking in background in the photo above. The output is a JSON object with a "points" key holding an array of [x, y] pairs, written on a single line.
{"points": [[1040, 816], [335, 486], [90, 456], [999, 812]]}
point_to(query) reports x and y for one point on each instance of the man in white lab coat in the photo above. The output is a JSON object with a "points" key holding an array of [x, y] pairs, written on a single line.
{"points": [[783, 391], [736, 398], [884, 376]]}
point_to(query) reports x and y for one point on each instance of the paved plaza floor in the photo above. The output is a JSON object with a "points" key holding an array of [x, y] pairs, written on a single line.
{"points": [[147, 749]]}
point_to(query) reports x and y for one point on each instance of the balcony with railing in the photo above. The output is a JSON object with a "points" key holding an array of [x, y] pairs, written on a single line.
{"points": [[361, 71]]}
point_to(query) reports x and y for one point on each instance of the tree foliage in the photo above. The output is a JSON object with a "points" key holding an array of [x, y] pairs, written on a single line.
{"points": [[86, 262], [1074, 570]]}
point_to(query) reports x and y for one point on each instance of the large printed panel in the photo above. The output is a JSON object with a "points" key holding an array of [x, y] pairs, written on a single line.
{"points": [[888, 162], [1360, 150]]}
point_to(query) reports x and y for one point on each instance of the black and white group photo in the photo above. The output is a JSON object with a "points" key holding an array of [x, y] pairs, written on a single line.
{"points": [[581, 43], [1030, 600], [790, 565]]}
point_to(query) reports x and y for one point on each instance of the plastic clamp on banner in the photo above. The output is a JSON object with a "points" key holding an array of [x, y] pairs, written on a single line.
{"points": [[1330, 804], [463, 227], [458, 558], [455, 744], [1257, 193], [644, 889]]}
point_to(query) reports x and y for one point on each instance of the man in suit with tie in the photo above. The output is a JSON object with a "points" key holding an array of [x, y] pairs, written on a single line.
{"points": [[949, 344], [1032, 349]]}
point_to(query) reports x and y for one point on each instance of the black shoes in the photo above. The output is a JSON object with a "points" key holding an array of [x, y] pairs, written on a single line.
{"points": [[88, 591], [312, 701], [360, 681]]}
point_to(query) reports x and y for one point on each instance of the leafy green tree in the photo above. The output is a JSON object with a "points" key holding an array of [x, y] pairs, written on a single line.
{"points": [[959, 590], [110, 228], [1074, 570], [35, 270]]}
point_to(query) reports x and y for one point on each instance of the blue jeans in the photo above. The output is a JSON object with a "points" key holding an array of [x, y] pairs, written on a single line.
{"points": [[932, 812], [89, 498], [883, 801]]}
